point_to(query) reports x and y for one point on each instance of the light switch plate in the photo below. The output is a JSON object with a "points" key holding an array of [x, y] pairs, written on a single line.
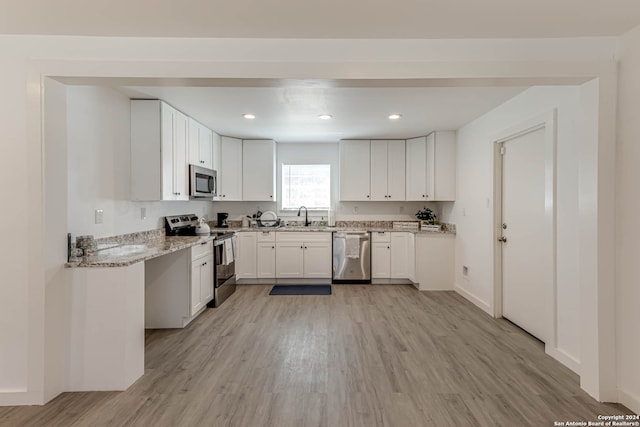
{"points": [[99, 216]]}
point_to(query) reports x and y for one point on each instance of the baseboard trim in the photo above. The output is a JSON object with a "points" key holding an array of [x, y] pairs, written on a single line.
{"points": [[563, 357], [474, 299], [283, 281], [629, 400], [20, 398]]}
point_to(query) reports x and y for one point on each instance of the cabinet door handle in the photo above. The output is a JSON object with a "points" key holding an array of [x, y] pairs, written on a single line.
{"points": [[204, 243], [273, 247], [388, 247], [301, 247], [204, 264], [367, 196]]}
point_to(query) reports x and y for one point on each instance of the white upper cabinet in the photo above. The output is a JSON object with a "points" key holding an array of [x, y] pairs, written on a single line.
{"points": [[230, 172], [259, 170], [159, 168], [355, 170], [417, 168], [216, 153], [431, 167], [388, 170], [379, 170], [200, 145]]}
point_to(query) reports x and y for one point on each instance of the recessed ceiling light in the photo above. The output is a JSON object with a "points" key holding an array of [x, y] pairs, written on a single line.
{"points": [[394, 116], [249, 116], [325, 116]]}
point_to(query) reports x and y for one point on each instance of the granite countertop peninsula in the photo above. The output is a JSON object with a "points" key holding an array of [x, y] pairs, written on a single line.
{"points": [[128, 253]]}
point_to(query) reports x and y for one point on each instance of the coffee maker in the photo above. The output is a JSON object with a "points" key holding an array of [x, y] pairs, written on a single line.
{"points": [[222, 220]]}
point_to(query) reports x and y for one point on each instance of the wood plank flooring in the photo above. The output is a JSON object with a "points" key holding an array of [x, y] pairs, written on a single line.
{"points": [[381, 355]]}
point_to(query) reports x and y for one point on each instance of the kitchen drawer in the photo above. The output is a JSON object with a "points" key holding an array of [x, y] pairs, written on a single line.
{"points": [[266, 236], [294, 236], [380, 237], [203, 249]]}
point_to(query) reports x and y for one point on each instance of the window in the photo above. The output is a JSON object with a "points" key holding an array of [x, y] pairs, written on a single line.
{"points": [[306, 185]]}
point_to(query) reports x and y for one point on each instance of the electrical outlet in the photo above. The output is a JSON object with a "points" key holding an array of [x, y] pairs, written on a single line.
{"points": [[465, 271], [143, 213], [355, 209], [99, 216]]}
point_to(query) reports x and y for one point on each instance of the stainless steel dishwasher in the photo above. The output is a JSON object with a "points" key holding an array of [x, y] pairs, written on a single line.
{"points": [[351, 257]]}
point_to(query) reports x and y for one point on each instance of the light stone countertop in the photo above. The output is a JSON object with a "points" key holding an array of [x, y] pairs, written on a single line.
{"points": [[131, 253], [144, 249], [331, 229]]}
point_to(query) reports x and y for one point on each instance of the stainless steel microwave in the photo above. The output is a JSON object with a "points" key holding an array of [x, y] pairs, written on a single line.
{"points": [[203, 182]]}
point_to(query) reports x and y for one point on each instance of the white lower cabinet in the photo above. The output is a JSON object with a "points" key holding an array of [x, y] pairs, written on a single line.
{"points": [[266, 261], [201, 282], [392, 255], [266, 255], [317, 260], [303, 255], [400, 254], [246, 258], [435, 262], [289, 260], [178, 286], [380, 260]]}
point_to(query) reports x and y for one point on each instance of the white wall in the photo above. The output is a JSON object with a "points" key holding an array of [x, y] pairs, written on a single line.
{"points": [[473, 209], [57, 292], [99, 162], [25, 59], [627, 224]]}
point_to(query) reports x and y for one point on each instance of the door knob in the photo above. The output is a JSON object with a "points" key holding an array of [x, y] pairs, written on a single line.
{"points": [[502, 239]]}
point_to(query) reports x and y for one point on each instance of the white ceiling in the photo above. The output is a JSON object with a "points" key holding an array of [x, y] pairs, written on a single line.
{"points": [[325, 19], [290, 114]]}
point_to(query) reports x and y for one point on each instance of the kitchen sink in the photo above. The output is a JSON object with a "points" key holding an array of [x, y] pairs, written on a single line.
{"points": [[123, 250]]}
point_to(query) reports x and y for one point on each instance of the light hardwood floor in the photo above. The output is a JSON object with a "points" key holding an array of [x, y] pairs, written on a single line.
{"points": [[379, 355]]}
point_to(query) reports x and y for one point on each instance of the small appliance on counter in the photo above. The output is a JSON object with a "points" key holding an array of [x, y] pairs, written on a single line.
{"points": [[203, 229], [222, 220]]}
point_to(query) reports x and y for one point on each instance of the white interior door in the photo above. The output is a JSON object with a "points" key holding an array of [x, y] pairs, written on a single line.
{"points": [[525, 287]]}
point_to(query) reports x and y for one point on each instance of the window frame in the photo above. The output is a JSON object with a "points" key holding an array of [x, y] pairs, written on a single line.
{"points": [[293, 211]]}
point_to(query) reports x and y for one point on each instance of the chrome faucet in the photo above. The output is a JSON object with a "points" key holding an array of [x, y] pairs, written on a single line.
{"points": [[306, 216]]}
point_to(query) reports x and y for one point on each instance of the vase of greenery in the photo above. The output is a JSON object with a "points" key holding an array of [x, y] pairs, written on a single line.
{"points": [[428, 219]]}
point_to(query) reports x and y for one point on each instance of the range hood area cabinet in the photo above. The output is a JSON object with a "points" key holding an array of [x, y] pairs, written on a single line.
{"points": [[431, 167], [200, 145], [159, 136], [259, 170]]}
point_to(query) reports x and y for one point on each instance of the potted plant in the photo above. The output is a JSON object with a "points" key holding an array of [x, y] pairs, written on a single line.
{"points": [[428, 219]]}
